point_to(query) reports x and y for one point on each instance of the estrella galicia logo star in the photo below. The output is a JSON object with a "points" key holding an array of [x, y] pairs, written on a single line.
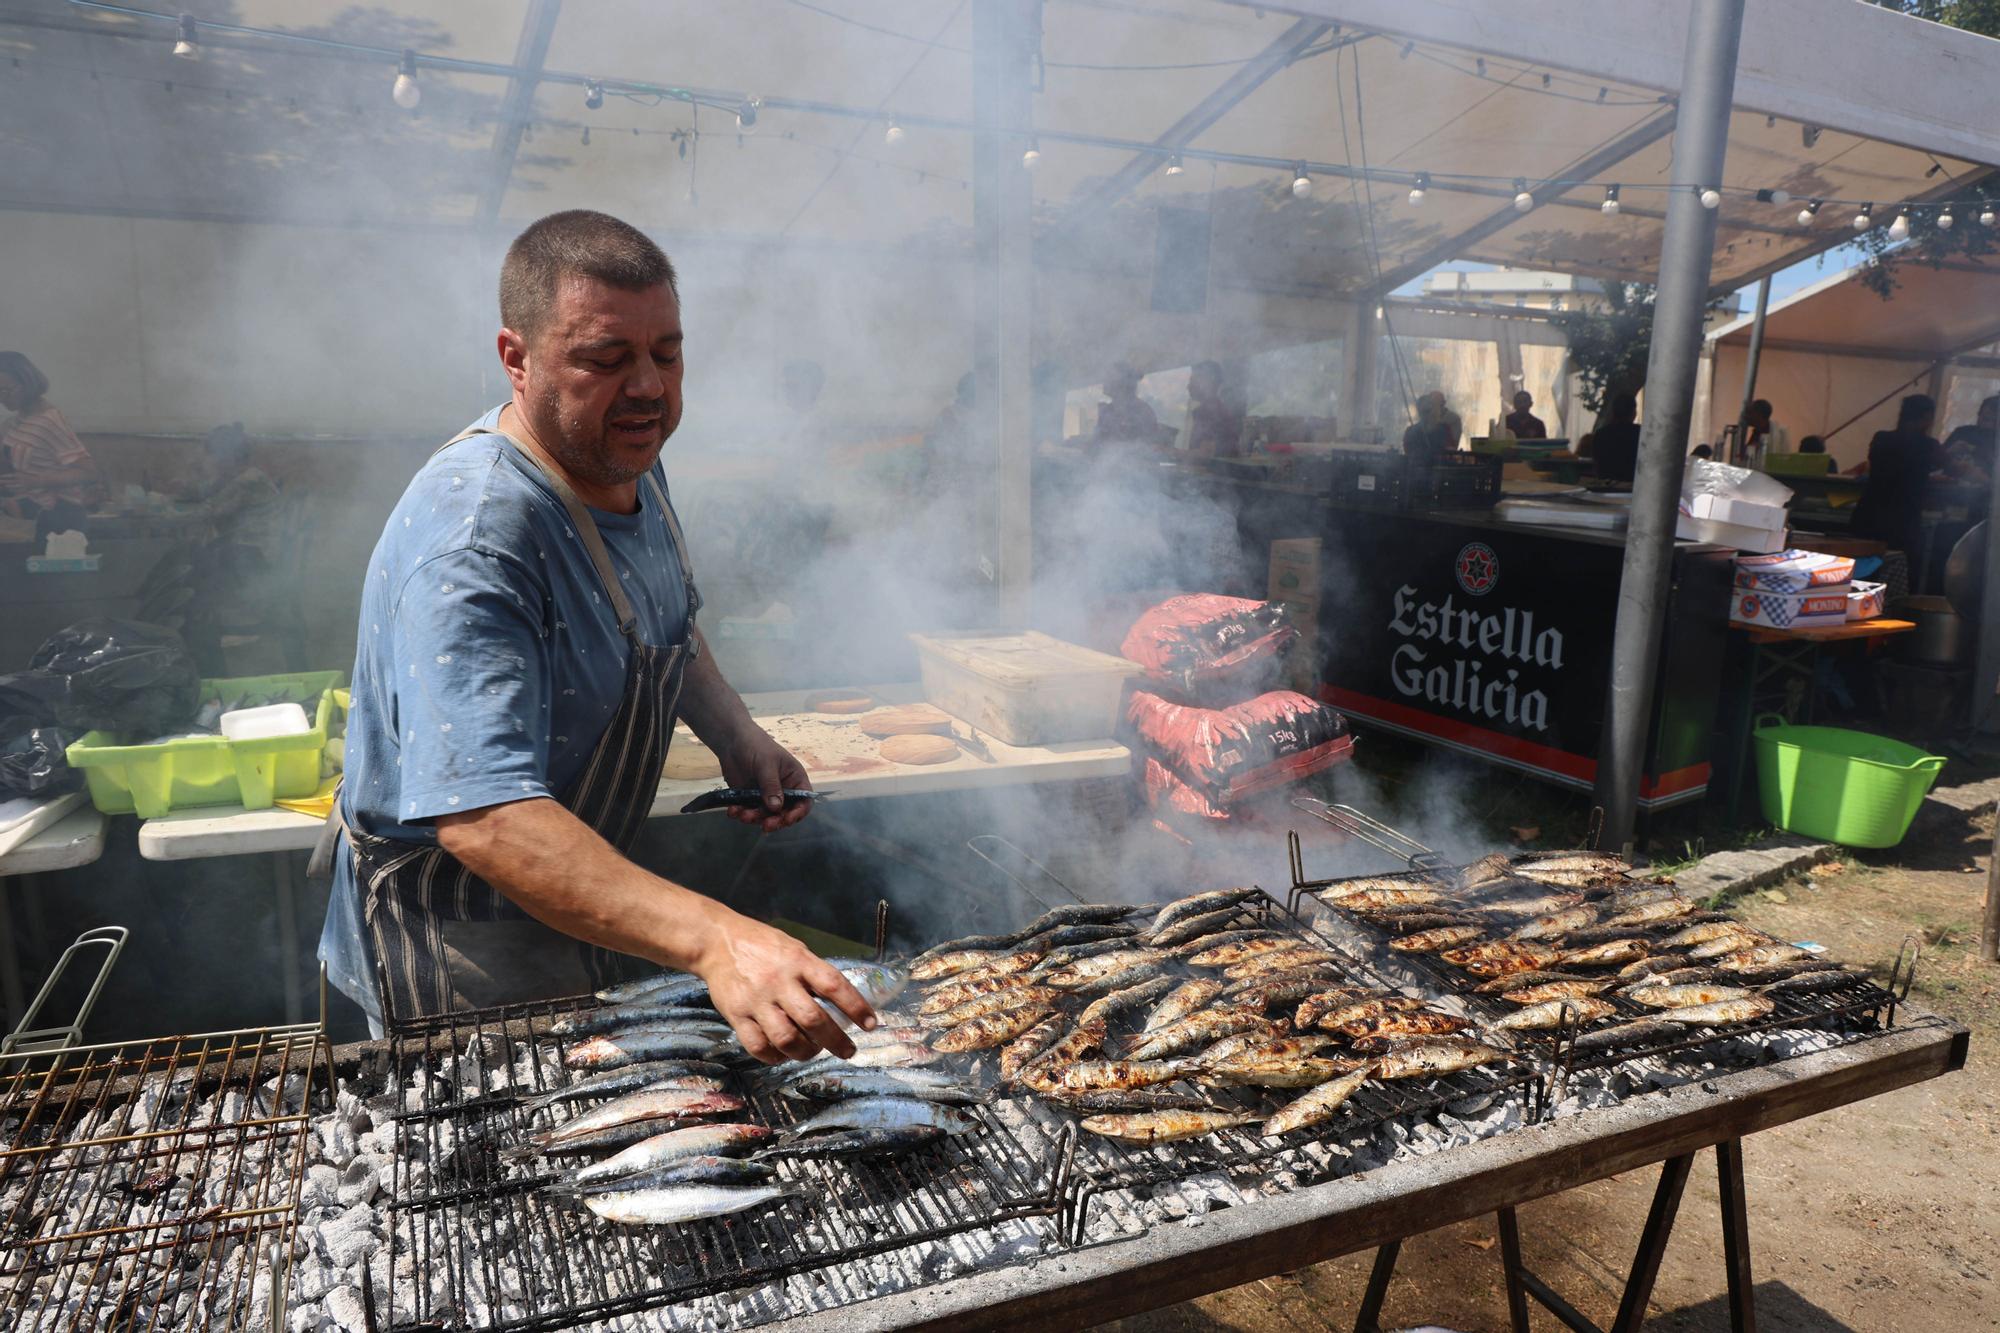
{"points": [[1478, 569]]}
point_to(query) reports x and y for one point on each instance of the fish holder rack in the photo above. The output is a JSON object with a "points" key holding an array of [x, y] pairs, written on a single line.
{"points": [[1855, 1011], [153, 1183], [512, 1257]]}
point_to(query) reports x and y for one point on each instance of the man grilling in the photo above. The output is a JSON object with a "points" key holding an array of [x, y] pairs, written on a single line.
{"points": [[526, 642]]}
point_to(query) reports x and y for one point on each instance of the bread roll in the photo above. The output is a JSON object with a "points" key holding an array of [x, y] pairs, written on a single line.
{"points": [[839, 702], [919, 748], [906, 720]]}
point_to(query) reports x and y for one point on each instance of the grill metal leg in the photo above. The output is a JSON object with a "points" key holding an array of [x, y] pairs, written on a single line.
{"points": [[1653, 1244], [1510, 1261], [1369, 1318], [1736, 1236]]}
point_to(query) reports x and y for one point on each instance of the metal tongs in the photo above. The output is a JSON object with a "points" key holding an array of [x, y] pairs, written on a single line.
{"points": [[747, 798]]}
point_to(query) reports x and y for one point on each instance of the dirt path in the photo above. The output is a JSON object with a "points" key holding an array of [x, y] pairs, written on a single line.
{"points": [[1884, 1215]]}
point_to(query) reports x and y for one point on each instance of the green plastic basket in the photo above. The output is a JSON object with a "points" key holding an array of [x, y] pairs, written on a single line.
{"points": [[150, 780], [1841, 786]]}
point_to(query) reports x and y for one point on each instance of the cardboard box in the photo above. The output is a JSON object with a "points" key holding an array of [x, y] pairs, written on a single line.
{"points": [[1732, 535], [1818, 608], [1865, 600], [1793, 570], [1294, 576]]}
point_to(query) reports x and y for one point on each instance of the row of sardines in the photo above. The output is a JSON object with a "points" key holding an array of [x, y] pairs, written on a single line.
{"points": [[1137, 1018], [1579, 940], [655, 1127]]}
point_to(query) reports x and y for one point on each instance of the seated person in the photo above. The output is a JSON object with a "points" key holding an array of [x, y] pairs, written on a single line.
{"points": [[1899, 467], [48, 475], [1215, 419], [1431, 434], [1969, 450], [1122, 418], [1813, 444], [1523, 424], [1615, 445]]}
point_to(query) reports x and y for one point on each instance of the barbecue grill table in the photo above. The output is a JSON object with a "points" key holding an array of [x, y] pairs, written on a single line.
{"points": [[1379, 1208], [77, 839]]}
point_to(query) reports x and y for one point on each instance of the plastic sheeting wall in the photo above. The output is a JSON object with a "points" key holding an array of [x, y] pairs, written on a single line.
{"points": [[1812, 393]]}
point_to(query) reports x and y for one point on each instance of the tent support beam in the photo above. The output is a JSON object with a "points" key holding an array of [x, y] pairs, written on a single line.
{"points": [[1750, 361], [1708, 79], [1599, 159], [1259, 70], [531, 52]]}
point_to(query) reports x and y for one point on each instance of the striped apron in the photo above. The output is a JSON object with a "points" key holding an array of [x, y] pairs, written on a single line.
{"points": [[410, 891]]}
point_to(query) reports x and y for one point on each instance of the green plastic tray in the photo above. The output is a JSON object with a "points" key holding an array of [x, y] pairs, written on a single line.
{"points": [[150, 780], [1841, 786]]}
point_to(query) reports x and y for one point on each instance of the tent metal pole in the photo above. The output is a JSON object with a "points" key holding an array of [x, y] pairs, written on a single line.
{"points": [[1708, 80], [1750, 360]]}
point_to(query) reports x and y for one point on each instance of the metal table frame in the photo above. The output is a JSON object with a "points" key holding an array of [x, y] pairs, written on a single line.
{"points": [[1377, 1208]]}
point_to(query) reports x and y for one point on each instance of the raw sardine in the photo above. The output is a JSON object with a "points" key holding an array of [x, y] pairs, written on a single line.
{"points": [[626, 1078], [671, 1204], [884, 1113], [640, 1013], [632, 1046], [635, 1116], [884, 1142], [672, 1146], [692, 1170], [832, 1085], [662, 988]]}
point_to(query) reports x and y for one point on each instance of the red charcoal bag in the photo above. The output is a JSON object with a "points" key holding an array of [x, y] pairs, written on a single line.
{"points": [[1225, 754], [1198, 642], [1167, 794]]}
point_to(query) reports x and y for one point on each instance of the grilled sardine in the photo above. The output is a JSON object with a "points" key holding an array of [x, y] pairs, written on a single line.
{"points": [[1107, 1007], [1558, 923], [1437, 940], [1201, 904], [1683, 997], [1187, 998], [1430, 1059], [1555, 990], [1744, 1010], [1608, 954], [1554, 1013], [990, 1030], [1316, 1106], [1164, 1126], [1203, 1029]]}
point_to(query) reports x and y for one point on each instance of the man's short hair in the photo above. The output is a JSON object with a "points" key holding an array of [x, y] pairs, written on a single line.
{"points": [[578, 243]]}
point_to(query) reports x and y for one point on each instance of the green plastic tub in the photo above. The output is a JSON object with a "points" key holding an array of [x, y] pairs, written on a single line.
{"points": [[150, 780], [1841, 786]]}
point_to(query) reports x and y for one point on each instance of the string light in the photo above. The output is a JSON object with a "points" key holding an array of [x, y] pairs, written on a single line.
{"points": [[1808, 213], [1865, 218], [1711, 198], [893, 135], [1174, 167], [1610, 205], [406, 92], [593, 95], [1986, 218], [1945, 219], [1899, 230], [1420, 188], [746, 115], [185, 45], [1033, 157], [1781, 197], [1523, 201], [1301, 183]]}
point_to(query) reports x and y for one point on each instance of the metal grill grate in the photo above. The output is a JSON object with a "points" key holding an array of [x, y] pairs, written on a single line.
{"points": [[155, 1184], [475, 1243]]}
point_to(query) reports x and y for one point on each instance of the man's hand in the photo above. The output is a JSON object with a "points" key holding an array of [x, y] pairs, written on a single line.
{"points": [[764, 982], [756, 761]]}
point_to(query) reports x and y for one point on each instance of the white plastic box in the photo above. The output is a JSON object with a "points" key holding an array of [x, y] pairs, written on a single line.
{"points": [[1023, 688]]}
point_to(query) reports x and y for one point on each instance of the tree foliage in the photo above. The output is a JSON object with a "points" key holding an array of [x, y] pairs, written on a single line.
{"points": [[1609, 347]]}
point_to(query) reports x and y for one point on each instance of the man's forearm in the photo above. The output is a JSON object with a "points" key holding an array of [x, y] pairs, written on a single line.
{"points": [[552, 865], [712, 709]]}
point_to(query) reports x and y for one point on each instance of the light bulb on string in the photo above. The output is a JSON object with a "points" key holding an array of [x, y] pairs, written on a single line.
{"points": [[185, 44], [1301, 183], [1174, 167], [1523, 201], [593, 94], [1865, 218], [407, 92], [1610, 205], [1711, 198], [1781, 197], [1899, 230], [1945, 220], [746, 115], [1986, 217], [1420, 188], [893, 135], [1032, 158], [1808, 213]]}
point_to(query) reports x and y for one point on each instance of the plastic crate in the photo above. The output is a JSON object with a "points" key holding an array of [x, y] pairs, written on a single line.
{"points": [[150, 780], [1387, 480], [1025, 688]]}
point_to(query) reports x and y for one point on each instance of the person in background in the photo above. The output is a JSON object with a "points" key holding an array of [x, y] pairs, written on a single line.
{"points": [[1522, 423], [1430, 434], [1215, 419], [48, 475], [1969, 450], [1813, 444], [1122, 418], [1759, 435], [1899, 467], [230, 570], [1704, 453], [1615, 446]]}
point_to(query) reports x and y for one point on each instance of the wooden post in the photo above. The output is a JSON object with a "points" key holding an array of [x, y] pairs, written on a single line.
{"points": [[1989, 928]]}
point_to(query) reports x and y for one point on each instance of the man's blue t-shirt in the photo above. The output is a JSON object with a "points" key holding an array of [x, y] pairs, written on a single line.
{"points": [[488, 660]]}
